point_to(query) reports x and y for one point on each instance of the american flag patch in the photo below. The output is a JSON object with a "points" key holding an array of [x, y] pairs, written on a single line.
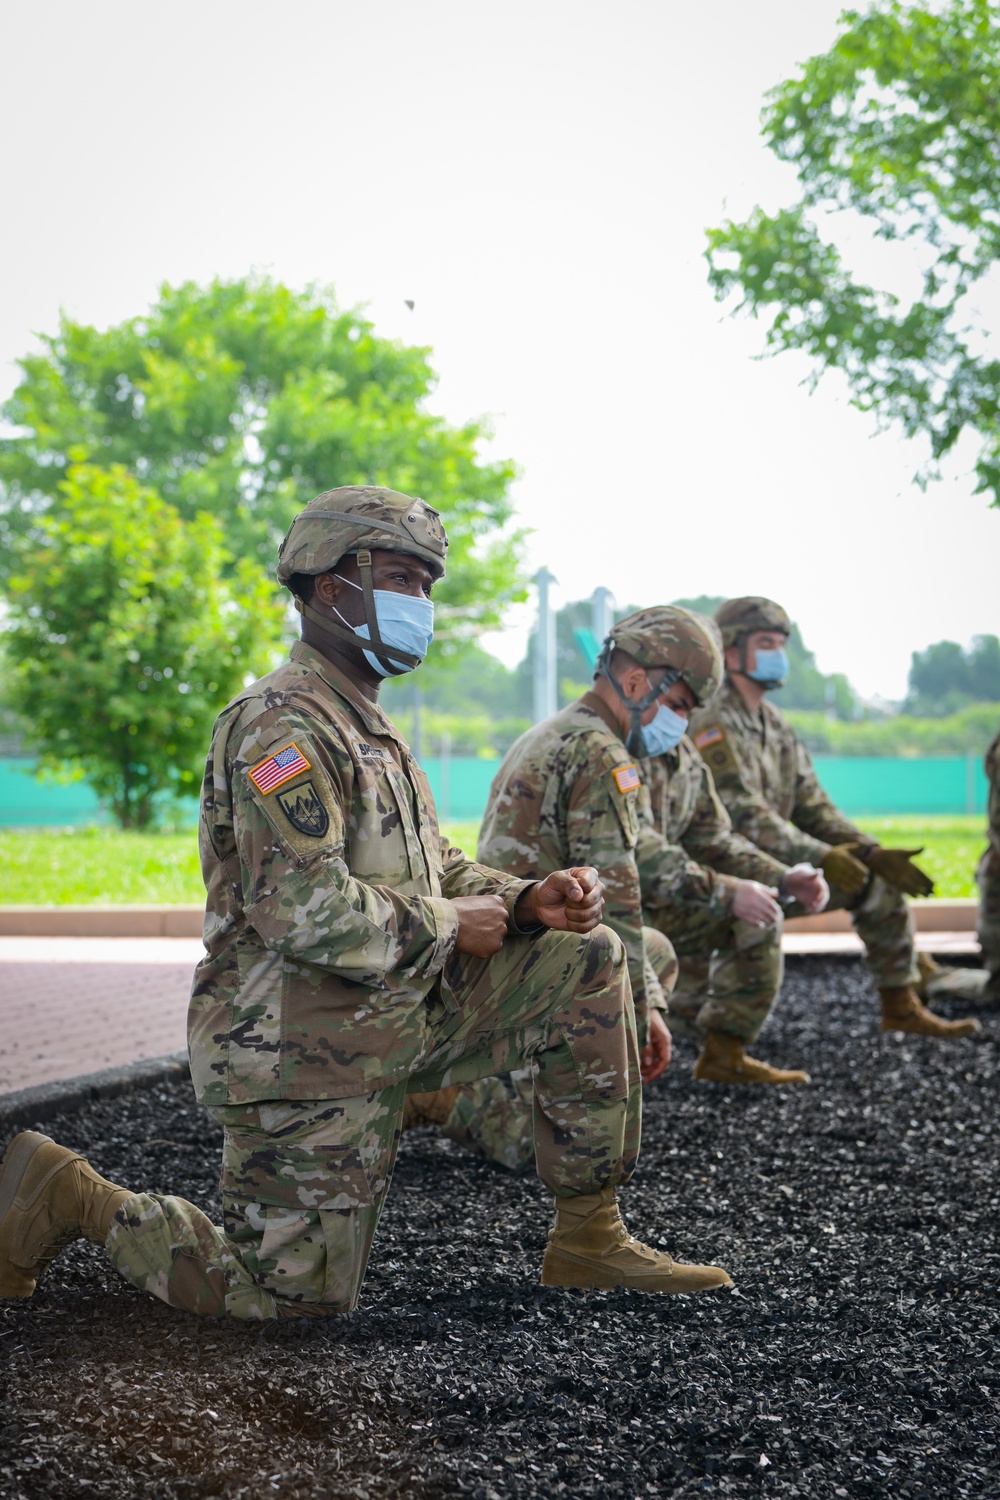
{"points": [[278, 768], [708, 737], [626, 778]]}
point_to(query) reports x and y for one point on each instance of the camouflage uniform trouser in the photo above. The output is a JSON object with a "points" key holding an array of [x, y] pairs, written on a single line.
{"points": [[884, 923], [730, 972], [988, 916], [304, 1182], [494, 1116]]}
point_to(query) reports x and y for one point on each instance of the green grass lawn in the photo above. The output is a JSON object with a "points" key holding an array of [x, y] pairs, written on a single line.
{"points": [[102, 867], [952, 846]]}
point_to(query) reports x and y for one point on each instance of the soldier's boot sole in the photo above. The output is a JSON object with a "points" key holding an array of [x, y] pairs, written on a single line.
{"points": [[932, 1026], [49, 1197], [562, 1268], [761, 1073]]}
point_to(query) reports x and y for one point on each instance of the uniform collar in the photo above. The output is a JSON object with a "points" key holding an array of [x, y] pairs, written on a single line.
{"points": [[371, 716], [757, 721], [596, 705]]}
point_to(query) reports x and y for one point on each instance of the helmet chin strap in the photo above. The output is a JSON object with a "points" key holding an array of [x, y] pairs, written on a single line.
{"points": [[636, 742], [375, 645]]}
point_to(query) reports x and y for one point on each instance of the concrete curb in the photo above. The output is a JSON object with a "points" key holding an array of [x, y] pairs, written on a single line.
{"points": [[102, 921], [48, 1099], [950, 914], [947, 915]]}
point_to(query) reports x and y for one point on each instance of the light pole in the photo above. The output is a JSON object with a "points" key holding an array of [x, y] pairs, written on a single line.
{"points": [[602, 603], [545, 649]]}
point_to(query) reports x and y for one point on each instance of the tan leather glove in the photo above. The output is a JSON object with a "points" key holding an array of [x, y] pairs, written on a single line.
{"points": [[843, 869], [896, 868]]}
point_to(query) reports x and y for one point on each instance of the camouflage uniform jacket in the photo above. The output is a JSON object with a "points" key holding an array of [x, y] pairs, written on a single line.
{"points": [[765, 777], [993, 805], [678, 799], [567, 793], [328, 919]]}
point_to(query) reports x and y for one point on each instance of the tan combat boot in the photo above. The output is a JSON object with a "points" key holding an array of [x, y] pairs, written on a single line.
{"points": [[429, 1109], [723, 1060], [902, 1010], [589, 1246], [938, 983], [49, 1197]]}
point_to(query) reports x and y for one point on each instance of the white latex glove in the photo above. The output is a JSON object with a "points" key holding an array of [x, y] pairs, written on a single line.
{"points": [[756, 903], [807, 885]]}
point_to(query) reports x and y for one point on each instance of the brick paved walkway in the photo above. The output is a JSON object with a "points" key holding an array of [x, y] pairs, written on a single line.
{"points": [[77, 1005]]}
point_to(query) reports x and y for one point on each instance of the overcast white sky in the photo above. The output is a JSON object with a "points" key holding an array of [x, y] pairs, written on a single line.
{"points": [[537, 178]]}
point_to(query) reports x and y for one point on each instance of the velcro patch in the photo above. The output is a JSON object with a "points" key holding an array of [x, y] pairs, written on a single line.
{"points": [[304, 809], [626, 779], [710, 736], [278, 768]]}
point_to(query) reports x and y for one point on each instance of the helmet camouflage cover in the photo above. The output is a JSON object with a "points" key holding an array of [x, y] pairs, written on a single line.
{"points": [[355, 518], [738, 618], [670, 636]]}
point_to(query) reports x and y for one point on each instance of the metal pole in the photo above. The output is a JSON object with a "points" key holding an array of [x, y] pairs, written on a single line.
{"points": [[445, 776], [601, 612], [970, 783], [545, 649]]}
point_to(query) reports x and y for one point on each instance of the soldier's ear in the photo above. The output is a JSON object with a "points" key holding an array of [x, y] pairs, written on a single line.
{"points": [[325, 586]]}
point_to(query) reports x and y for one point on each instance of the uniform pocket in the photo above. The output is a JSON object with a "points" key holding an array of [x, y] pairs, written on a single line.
{"points": [[317, 1179]]}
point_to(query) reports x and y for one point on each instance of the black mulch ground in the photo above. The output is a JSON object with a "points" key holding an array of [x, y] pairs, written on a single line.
{"points": [[859, 1357]]}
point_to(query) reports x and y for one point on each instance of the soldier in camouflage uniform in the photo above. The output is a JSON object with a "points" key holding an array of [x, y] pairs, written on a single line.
{"points": [[721, 915], [571, 784], [349, 956], [988, 878], [766, 779]]}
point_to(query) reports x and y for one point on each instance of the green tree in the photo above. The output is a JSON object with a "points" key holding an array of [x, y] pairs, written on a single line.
{"points": [[125, 638], [896, 127], [944, 678], [243, 399]]}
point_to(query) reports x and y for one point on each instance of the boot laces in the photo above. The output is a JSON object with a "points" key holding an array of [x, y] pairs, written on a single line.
{"points": [[628, 1241], [54, 1244]]}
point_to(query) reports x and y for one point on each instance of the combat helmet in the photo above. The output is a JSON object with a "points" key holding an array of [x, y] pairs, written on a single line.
{"points": [[675, 645], [739, 618], [356, 519]]}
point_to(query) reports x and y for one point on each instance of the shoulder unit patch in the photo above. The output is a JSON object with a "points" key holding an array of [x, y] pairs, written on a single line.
{"points": [[278, 768], [303, 808]]}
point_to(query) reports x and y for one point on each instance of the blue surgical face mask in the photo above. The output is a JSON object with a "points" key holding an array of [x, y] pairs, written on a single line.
{"points": [[771, 668], [664, 732], [403, 621]]}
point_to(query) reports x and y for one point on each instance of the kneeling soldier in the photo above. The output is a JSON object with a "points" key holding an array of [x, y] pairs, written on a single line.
{"points": [[570, 788], [349, 957], [766, 779]]}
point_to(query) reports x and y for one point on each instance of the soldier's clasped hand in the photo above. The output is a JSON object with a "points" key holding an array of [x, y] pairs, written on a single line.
{"points": [[482, 925], [756, 903], [805, 884], [897, 868], [566, 900]]}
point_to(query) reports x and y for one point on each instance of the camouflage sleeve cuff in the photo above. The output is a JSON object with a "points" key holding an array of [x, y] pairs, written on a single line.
{"points": [[511, 898], [813, 850], [440, 916]]}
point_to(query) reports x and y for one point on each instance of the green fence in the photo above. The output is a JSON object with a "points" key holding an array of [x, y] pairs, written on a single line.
{"points": [[862, 786]]}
